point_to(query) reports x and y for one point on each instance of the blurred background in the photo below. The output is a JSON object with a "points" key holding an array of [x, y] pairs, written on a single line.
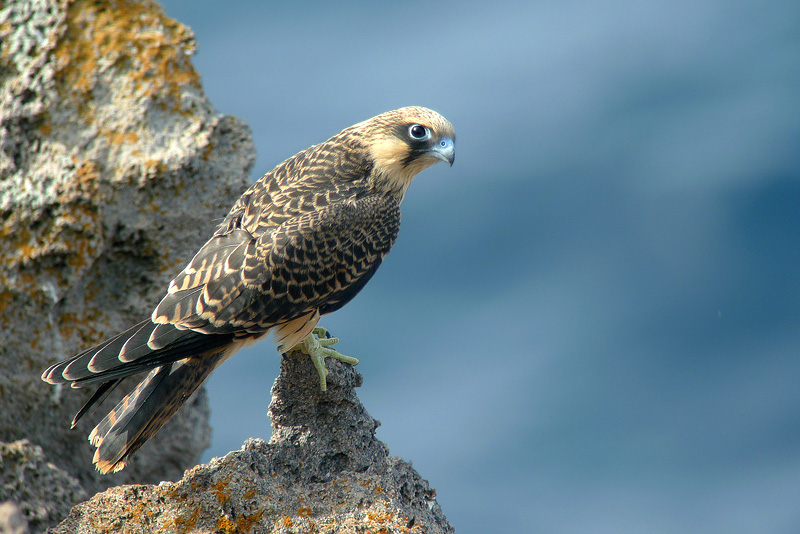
{"points": [[591, 323]]}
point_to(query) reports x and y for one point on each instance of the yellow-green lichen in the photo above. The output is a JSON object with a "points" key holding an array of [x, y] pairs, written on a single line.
{"points": [[133, 37]]}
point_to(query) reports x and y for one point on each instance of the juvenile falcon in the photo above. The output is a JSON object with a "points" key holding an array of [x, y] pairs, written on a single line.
{"points": [[299, 243]]}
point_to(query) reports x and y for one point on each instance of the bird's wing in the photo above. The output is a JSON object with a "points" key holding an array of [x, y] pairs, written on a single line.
{"points": [[301, 184], [315, 261], [239, 286]]}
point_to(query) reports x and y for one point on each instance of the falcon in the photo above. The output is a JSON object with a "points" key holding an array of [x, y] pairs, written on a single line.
{"points": [[300, 243]]}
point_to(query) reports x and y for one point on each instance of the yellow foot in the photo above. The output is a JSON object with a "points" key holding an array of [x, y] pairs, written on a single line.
{"points": [[316, 346]]}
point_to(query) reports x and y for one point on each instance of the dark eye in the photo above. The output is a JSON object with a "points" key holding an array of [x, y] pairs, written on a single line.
{"points": [[418, 132]]}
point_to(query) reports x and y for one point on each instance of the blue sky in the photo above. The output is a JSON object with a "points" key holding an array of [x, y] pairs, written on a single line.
{"points": [[591, 323]]}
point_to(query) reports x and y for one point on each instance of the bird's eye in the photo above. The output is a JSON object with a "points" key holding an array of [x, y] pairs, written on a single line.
{"points": [[418, 132]]}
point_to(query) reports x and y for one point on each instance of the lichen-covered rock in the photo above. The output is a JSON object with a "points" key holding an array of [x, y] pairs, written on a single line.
{"points": [[44, 492], [323, 471], [113, 170]]}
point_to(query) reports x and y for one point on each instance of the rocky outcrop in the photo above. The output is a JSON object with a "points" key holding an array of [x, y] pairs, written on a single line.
{"points": [[323, 470], [114, 168]]}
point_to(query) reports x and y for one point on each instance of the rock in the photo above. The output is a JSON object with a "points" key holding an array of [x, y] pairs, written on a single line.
{"points": [[44, 492], [114, 169], [323, 470]]}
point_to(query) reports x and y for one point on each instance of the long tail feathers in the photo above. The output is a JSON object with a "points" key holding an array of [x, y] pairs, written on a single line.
{"points": [[177, 361], [144, 411], [136, 350], [98, 397]]}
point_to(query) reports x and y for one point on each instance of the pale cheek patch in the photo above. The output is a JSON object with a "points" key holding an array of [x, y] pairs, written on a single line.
{"points": [[395, 177], [388, 152]]}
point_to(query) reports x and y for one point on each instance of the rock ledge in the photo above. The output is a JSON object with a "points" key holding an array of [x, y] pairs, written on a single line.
{"points": [[323, 470]]}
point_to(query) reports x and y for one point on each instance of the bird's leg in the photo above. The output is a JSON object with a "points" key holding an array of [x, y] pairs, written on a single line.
{"points": [[316, 346]]}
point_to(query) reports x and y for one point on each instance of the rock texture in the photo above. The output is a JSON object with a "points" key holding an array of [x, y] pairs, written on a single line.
{"points": [[45, 492], [114, 168], [323, 471]]}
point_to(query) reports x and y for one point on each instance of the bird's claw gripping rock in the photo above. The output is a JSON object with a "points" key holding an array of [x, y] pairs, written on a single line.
{"points": [[316, 346]]}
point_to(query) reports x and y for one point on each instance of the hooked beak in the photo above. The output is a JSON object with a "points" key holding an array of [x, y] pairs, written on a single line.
{"points": [[445, 150]]}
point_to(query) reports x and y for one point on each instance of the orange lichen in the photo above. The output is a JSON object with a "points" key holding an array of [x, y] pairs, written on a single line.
{"points": [[151, 50], [303, 511], [154, 166], [67, 234], [224, 524], [380, 517], [119, 138], [219, 489], [382, 521], [5, 29], [245, 523], [186, 523], [208, 151]]}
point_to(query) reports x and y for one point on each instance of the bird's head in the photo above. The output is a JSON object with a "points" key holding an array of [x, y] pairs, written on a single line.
{"points": [[403, 142]]}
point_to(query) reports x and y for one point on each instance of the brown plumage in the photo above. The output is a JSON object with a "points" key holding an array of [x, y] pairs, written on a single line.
{"points": [[299, 243]]}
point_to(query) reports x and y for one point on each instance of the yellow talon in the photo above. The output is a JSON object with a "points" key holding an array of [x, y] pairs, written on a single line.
{"points": [[316, 346]]}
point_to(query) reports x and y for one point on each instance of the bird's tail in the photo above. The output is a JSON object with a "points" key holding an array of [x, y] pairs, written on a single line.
{"points": [[144, 411]]}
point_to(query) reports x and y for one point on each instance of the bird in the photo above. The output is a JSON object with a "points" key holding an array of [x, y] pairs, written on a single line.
{"points": [[298, 244]]}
